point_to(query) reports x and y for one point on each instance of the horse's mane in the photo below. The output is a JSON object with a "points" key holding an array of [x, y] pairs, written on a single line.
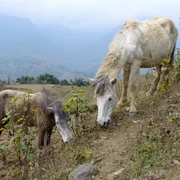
{"points": [[100, 83]]}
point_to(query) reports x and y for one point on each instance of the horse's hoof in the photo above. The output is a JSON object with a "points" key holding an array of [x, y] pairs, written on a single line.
{"points": [[119, 105], [132, 115]]}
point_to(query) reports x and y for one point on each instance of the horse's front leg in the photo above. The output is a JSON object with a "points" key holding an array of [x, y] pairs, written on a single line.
{"points": [[133, 86], [125, 82]]}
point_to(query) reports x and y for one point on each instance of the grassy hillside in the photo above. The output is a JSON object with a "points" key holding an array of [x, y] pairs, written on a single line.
{"points": [[146, 146]]}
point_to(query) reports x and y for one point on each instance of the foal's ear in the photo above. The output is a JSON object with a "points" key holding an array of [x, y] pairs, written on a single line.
{"points": [[91, 81], [113, 81], [49, 110]]}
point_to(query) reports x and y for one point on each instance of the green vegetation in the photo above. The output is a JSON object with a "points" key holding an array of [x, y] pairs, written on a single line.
{"points": [[77, 106], [64, 82], [79, 82], [49, 79], [25, 80]]}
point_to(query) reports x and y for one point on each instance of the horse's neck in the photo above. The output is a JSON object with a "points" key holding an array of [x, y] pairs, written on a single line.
{"points": [[111, 66]]}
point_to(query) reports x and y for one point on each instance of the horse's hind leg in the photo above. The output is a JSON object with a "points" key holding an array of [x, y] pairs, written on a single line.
{"points": [[156, 81], [125, 81]]}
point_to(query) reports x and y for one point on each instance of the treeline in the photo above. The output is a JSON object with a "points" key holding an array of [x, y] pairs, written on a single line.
{"points": [[51, 79]]}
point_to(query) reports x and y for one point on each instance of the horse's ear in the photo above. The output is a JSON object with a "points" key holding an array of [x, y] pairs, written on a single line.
{"points": [[49, 110], [113, 81], [91, 81]]}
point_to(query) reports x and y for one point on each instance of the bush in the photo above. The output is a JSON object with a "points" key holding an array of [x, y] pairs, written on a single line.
{"points": [[77, 105]]}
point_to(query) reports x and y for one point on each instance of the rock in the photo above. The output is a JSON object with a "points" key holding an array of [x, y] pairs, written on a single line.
{"points": [[132, 115], [116, 175], [83, 172], [136, 121], [177, 113], [176, 162], [103, 137]]}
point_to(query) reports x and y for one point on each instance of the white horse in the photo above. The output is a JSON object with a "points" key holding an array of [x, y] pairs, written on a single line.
{"points": [[137, 45]]}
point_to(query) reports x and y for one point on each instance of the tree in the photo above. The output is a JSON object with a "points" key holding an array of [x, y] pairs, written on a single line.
{"points": [[25, 80], [64, 82], [79, 82], [8, 80], [47, 79]]}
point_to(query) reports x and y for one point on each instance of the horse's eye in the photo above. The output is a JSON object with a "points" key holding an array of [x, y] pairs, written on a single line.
{"points": [[109, 99]]}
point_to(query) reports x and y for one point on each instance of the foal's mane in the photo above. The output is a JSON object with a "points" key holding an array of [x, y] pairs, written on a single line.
{"points": [[45, 97]]}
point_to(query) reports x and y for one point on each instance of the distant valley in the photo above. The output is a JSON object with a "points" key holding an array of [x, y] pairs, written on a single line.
{"points": [[27, 49]]}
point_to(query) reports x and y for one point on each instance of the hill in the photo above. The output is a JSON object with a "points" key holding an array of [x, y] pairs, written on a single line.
{"points": [[24, 50], [28, 49]]}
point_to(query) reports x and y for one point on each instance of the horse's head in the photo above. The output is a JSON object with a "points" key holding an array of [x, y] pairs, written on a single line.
{"points": [[62, 120], [105, 96]]}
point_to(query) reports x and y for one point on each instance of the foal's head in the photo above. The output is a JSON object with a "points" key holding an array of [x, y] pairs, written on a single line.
{"points": [[61, 119], [105, 96]]}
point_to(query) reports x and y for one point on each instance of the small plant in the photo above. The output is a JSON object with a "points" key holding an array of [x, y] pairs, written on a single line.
{"points": [[83, 156], [166, 80], [174, 118], [3, 150], [77, 105], [21, 137]]}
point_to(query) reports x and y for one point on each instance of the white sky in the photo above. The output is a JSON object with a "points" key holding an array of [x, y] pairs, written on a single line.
{"points": [[90, 13]]}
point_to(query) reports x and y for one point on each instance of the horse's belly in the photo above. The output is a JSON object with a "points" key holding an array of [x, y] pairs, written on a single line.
{"points": [[153, 58], [148, 63]]}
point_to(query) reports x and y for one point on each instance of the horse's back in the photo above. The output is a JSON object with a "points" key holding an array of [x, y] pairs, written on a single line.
{"points": [[148, 41]]}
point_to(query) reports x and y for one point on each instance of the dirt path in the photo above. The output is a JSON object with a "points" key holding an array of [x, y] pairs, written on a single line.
{"points": [[114, 147]]}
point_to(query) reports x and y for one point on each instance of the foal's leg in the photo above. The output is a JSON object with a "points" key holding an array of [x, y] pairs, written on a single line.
{"points": [[48, 136], [133, 86], [41, 135], [125, 81], [156, 81]]}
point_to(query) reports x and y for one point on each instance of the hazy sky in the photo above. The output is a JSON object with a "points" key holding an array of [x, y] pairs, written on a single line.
{"points": [[90, 13]]}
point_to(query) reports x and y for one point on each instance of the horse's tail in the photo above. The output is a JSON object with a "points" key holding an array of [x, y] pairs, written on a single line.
{"points": [[171, 62], [171, 65]]}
